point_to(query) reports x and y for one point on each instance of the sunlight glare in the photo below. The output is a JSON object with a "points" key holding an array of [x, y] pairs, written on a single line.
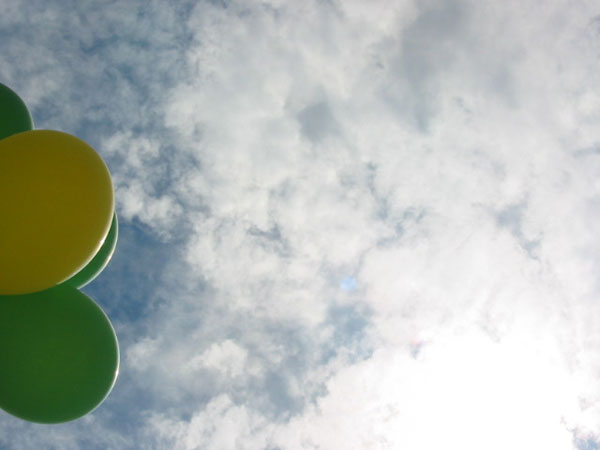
{"points": [[471, 393]]}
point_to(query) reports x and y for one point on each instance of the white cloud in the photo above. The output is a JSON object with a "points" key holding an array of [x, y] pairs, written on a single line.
{"points": [[466, 392], [140, 355], [226, 357], [441, 153], [222, 425]]}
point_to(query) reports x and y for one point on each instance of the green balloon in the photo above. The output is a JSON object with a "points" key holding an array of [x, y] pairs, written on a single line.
{"points": [[59, 355], [98, 262], [14, 115]]}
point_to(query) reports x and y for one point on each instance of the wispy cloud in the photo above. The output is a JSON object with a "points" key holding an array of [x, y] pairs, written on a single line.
{"points": [[344, 224]]}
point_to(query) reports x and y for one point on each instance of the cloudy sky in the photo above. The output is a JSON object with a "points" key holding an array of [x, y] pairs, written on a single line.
{"points": [[344, 224]]}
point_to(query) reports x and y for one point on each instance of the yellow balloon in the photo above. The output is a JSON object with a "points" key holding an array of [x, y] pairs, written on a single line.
{"points": [[56, 206]]}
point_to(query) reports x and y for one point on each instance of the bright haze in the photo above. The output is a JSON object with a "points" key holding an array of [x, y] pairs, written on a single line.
{"points": [[344, 224]]}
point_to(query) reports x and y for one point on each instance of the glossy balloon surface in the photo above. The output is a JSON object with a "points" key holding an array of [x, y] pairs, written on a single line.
{"points": [[59, 356], [56, 201], [100, 261], [14, 115]]}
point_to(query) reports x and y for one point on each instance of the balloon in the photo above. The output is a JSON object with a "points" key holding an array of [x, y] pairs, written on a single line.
{"points": [[99, 262], [14, 116], [56, 206], [59, 355]]}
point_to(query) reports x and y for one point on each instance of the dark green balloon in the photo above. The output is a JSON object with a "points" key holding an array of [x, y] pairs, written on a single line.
{"points": [[98, 262], [59, 355], [14, 115]]}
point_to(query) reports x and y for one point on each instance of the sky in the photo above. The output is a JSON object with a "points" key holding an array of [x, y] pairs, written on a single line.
{"points": [[344, 224]]}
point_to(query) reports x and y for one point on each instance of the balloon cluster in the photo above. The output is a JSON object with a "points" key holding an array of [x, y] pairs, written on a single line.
{"points": [[59, 355]]}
